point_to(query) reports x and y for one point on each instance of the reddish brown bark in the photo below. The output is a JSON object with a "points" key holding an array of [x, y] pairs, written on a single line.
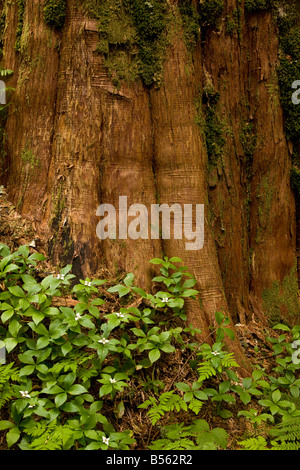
{"points": [[92, 144]]}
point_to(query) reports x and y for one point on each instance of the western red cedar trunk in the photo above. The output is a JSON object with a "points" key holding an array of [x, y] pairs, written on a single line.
{"points": [[212, 132]]}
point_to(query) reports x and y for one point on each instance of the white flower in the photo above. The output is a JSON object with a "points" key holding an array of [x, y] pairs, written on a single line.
{"points": [[77, 316], [87, 283], [24, 394], [165, 299], [105, 440], [31, 406], [61, 276], [112, 381], [103, 341], [215, 353], [120, 315]]}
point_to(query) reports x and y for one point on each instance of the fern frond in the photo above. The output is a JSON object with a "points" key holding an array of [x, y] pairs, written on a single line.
{"points": [[175, 437], [287, 434], [205, 371], [195, 405], [228, 361], [49, 436], [39, 428], [167, 402], [165, 444], [6, 394], [254, 443], [286, 446], [8, 373]]}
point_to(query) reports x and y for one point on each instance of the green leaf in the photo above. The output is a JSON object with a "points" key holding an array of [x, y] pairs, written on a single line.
{"points": [[189, 293], [10, 267], [280, 326], [156, 261], [42, 342], [27, 358], [200, 395], [189, 283], [219, 317], [37, 317], [276, 395], [183, 386], [167, 348], [154, 355], [10, 344], [123, 291], [4, 424], [7, 315], [294, 391], [245, 397], [247, 382], [14, 327], [229, 332], [60, 399], [77, 389], [16, 291], [42, 368], [97, 302], [105, 390], [138, 332], [51, 311], [175, 259], [225, 414], [24, 250], [66, 348], [27, 370], [12, 436], [129, 279], [36, 257], [274, 409]]}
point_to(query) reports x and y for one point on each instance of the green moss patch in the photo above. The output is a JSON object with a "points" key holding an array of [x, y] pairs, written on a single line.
{"points": [[21, 10], [55, 13], [280, 301], [210, 11], [258, 5]]}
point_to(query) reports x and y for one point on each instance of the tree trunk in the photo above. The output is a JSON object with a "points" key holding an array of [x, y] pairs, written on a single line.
{"points": [[210, 130]]}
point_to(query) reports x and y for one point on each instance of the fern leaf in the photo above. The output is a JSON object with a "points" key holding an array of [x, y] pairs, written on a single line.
{"points": [[49, 436], [168, 401], [8, 373], [228, 361], [254, 443], [205, 371], [195, 405], [287, 434]]}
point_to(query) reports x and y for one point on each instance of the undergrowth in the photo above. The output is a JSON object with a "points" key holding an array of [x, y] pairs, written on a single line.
{"points": [[86, 367]]}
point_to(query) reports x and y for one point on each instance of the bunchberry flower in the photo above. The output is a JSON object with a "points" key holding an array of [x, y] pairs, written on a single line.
{"points": [[103, 341]]}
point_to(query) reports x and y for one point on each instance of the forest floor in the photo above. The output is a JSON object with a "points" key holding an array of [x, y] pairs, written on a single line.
{"points": [[16, 231]]}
